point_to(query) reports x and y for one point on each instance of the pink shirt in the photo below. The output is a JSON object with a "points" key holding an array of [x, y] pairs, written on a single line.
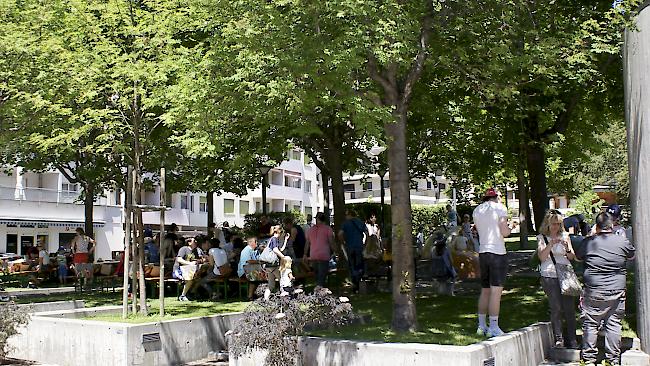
{"points": [[319, 236]]}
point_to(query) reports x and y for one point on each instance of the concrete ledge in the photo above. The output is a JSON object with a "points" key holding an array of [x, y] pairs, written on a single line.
{"points": [[61, 337], [39, 291], [53, 306], [527, 346]]}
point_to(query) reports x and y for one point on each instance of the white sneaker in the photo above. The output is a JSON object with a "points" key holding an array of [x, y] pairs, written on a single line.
{"points": [[183, 298], [267, 294], [480, 331], [494, 332]]}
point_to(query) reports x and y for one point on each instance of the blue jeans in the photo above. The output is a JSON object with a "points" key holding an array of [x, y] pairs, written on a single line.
{"points": [[355, 258]]}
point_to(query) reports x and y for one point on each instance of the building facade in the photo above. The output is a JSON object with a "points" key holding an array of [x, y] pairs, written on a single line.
{"points": [[45, 205]]}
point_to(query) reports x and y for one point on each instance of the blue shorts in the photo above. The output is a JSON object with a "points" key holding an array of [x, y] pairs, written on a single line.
{"points": [[62, 270]]}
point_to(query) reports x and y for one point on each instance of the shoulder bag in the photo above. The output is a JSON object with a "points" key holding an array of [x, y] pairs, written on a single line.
{"points": [[269, 257], [569, 283]]}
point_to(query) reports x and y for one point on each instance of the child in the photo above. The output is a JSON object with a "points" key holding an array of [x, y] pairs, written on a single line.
{"points": [[62, 264], [286, 276]]}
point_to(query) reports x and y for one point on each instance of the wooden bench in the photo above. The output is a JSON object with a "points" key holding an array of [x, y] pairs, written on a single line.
{"points": [[154, 284]]}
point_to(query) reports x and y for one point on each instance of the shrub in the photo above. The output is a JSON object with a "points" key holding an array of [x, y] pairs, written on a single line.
{"points": [[588, 203], [11, 318], [276, 324], [428, 217], [252, 221]]}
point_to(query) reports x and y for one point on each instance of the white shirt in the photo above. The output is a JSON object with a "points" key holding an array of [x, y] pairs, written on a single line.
{"points": [[547, 268], [486, 218], [220, 258], [46, 257], [373, 229], [285, 281]]}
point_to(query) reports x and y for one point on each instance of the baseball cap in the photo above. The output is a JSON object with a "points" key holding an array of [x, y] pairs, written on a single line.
{"points": [[614, 210], [491, 192]]}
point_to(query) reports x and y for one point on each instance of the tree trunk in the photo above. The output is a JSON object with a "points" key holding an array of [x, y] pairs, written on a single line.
{"points": [[637, 110], [89, 208], [335, 167], [536, 163], [209, 203], [326, 193], [523, 206], [404, 311]]}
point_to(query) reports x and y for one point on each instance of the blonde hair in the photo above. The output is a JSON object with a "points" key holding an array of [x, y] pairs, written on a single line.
{"points": [[551, 217], [285, 263]]}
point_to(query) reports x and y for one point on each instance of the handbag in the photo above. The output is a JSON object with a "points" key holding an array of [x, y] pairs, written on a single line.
{"points": [[269, 257], [569, 283]]}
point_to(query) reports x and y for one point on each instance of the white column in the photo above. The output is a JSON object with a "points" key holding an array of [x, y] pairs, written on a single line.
{"points": [[19, 192], [637, 112], [59, 184]]}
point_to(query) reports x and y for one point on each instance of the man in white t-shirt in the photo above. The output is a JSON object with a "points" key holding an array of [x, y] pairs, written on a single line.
{"points": [[491, 220], [218, 259]]}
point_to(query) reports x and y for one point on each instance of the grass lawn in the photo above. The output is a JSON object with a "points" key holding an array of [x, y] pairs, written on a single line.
{"points": [[512, 243], [452, 320], [175, 309]]}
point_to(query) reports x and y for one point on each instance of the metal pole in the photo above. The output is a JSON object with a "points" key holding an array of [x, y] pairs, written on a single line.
{"points": [[264, 177], [127, 244], [382, 194], [637, 113], [161, 248]]}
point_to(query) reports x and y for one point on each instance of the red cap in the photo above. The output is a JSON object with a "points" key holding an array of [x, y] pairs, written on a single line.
{"points": [[491, 192]]}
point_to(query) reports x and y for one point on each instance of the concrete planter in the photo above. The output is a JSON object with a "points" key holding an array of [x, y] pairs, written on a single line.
{"points": [[527, 346], [63, 338]]}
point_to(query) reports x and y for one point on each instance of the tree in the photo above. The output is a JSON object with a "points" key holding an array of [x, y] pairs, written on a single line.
{"points": [[541, 67]]}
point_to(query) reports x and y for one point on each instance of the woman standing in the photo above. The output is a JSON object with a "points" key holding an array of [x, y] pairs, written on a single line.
{"points": [[82, 246], [553, 243]]}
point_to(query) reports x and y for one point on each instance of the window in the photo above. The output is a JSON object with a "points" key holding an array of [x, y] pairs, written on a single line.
{"points": [[292, 181], [386, 183], [243, 207], [191, 199], [296, 207], [367, 186], [429, 185], [228, 207], [12, 243], [309, 211], [307, 186], [295, 155], [184, 202], [442, 186], [69, 187], [203, 204]]}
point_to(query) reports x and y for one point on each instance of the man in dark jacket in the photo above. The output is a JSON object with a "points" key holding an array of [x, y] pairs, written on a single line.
{"points": [[605, 256]]}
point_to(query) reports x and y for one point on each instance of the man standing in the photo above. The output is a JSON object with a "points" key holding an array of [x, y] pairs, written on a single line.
{"points": [[319, 248], [353, 234], [491, 221], [605, 255]]}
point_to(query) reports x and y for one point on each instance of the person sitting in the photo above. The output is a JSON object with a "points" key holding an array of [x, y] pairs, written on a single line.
{"points": [[442, 269], [248, 257], [187, 265], [464, 260], [152, 249], [218, 260]]}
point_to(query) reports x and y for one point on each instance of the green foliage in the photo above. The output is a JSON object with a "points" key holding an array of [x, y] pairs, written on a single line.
{"points": [[252, 221], [428, 217], [588, 203]]}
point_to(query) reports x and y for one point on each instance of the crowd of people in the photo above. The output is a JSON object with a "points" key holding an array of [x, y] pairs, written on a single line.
{"points": [[604, 251]]}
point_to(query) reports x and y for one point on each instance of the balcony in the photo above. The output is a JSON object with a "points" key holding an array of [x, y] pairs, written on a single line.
{"points": [[39, 195], [376, 193]]}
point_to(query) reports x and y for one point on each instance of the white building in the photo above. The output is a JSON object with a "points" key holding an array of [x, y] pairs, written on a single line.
{"points": [[367, 188], [35, 205]]}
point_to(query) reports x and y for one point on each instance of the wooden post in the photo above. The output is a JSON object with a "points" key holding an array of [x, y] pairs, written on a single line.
{"points": [[637, 113], [127, 244], [134, 251], [161, 236]]}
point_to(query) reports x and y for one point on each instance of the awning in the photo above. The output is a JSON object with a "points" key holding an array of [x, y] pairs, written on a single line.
{"points": [[46, 223]]}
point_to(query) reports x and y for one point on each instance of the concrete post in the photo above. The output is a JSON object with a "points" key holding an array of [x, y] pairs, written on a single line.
{"points": [[637, 113]]}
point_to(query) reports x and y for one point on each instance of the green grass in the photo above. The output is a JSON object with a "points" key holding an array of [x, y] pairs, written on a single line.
{"points": [[452, 320], [90, 299], [175, 309], [512, 243]]}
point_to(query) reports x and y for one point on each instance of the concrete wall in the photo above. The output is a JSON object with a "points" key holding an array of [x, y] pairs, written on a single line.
{"points": [[53, 306], [527, 346], [65, 339]]}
